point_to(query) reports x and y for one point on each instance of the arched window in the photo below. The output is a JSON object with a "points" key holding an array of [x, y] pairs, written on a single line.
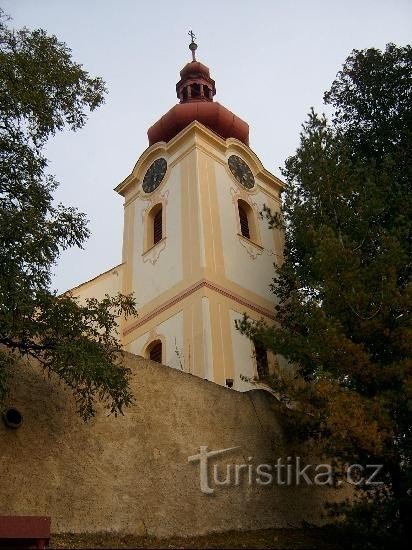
{"points": [[244, 220], [154, 226], [261, 360], [247, 223], [154, 351]]}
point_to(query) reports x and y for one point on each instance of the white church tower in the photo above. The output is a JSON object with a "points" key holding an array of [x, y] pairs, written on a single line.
{"points": [[196, 253]]}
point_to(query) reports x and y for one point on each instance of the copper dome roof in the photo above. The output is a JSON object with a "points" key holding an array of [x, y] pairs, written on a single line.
{"points": [[212, 115], [195, 91]]}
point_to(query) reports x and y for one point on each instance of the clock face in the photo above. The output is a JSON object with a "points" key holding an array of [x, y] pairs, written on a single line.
{"points": [[154, 175], [241, 171]]}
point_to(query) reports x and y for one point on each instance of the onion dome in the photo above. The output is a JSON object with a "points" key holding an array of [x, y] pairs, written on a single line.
{"points": [[195, 91]]}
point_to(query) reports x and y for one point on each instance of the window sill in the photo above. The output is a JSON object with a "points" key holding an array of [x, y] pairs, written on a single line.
{"points": [[249, 241], [154, 246]]}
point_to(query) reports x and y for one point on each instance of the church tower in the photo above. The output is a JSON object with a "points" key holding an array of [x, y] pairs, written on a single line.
{"points": [[196, 253]]}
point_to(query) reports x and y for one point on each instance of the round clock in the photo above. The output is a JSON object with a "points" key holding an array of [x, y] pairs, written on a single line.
{"points": [[241, 171], [154, 175]]}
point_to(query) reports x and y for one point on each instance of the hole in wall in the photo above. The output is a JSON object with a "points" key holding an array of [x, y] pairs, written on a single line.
{"points": [[12, 418]]}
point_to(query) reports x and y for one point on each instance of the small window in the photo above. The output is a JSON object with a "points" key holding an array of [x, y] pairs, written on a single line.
{"points": [[155, 351], [154, 226], [261, 360], [195, 90], [157, 226], [244, 221]]}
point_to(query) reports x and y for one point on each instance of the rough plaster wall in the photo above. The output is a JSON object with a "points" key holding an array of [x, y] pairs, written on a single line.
{"points": [[131, 473]]}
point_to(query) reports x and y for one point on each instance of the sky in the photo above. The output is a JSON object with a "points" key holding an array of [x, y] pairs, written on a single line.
{"points": [[271, 60]]}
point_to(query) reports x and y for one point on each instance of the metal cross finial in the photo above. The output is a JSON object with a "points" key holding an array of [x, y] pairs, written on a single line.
{"points": [[192, 45]]}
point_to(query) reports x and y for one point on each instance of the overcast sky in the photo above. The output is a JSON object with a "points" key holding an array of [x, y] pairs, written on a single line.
{"points": [[271, 60]]}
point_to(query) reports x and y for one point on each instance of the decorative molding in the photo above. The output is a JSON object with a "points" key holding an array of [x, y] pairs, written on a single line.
{"points": [[155, 198], [240, 193], [237, 193], [152, 255], [133, 196], [152, 337], [209, 137], [253, 249], [203, 283]]}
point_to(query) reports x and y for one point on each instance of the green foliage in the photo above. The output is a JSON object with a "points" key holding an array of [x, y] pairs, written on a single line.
{"points": [[43, 91], [344, 293], [370, 524]]}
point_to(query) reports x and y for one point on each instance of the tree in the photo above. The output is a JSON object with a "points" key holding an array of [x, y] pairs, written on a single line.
{"points": [[344, 293], [43, 91]]}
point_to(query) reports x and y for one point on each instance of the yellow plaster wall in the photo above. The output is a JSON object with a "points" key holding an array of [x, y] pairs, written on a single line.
{"points": [[189, 285], [109, 282], [168, 329], [247, 265], [156, 270], [207, 340]]}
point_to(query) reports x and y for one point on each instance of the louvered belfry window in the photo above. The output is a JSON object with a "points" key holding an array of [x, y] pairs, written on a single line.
{"points": [[261, 360], [244, 222], [156, 352], [157, 227]]}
